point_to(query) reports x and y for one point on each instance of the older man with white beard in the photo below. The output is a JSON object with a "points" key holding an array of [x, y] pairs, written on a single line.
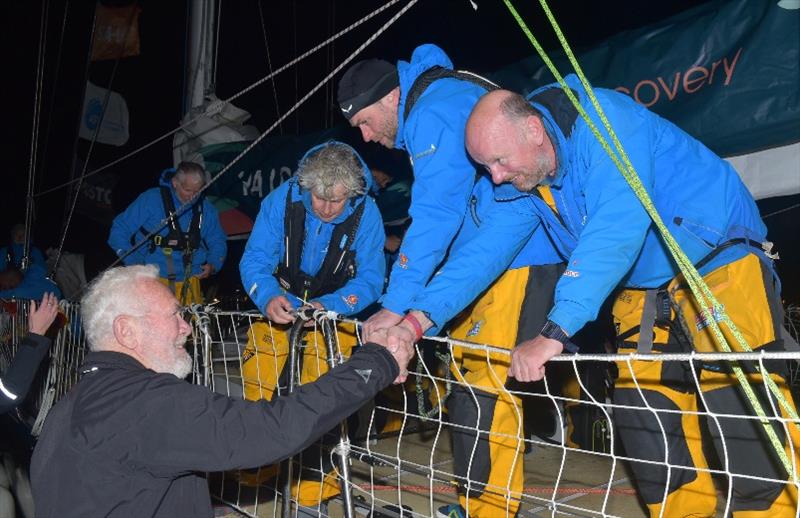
{"points": [[133, 439]]}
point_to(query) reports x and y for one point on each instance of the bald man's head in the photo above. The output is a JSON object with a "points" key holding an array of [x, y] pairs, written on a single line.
{"points": [[506, 135]]}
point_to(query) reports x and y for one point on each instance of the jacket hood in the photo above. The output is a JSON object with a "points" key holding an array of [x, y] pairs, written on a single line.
{"points": [[299, 193], [424, 57], [165, 180]]}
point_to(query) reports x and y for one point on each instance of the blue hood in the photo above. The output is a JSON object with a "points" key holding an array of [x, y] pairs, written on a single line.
{"points": [[299, 193], [423, 58]]}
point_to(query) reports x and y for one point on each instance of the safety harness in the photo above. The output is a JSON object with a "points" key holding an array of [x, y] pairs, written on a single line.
{"points": [[339, 265], [425, 79], [658, 304], [186, 242]]}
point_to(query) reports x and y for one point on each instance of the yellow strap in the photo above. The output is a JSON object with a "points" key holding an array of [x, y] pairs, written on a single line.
{"points": [[547, 196]]}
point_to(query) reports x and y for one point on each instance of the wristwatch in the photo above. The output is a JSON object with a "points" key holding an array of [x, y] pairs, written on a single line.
{"points": [[554, 332]]}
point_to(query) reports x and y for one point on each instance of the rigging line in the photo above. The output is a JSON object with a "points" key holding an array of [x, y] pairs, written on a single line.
{"points": [[52, 99], [106, 98], [785, 209], [183, 208], [211, 109], [269, 63], [216, 45], [294, 51], [37, 106]]}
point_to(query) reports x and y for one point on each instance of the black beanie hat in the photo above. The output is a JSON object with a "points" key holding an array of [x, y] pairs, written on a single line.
{"points": [[365, 83]]}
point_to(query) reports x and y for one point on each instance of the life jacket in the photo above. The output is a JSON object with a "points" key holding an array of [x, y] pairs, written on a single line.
{"points": [[176, 239], [425, 79], [339, 264]]}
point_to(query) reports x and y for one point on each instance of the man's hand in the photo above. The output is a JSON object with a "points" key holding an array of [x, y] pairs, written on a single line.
{"points": [[42, 317], [279, 310], [399, 342], [529, 357], [383, 319], [205, 271]]}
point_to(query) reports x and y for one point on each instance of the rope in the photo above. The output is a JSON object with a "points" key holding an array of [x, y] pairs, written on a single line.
{"points": [[211, 110], [710, 306], [269, 64], [37, 106], [781, 211], [97, 129], [183, 208]]}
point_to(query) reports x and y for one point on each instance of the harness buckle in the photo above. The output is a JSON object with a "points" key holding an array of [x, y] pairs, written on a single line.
{"points": [[167, 250], [157, 240]]}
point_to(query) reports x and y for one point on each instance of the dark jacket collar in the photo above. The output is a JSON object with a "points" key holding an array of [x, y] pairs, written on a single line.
{"points": [[109, 359]]}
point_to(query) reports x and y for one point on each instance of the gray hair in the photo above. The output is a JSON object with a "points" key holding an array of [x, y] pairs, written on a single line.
{"points": [[110, 295], [516, 107], [186, 169], [331, 165]]}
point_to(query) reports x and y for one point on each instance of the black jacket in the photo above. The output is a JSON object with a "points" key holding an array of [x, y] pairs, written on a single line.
{"points": [[127, 441], [17, 379]]}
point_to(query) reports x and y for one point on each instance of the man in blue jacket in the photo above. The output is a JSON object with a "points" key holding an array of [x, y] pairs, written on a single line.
{"points": [[317, 241], [422, 107], [11, 255], [185, 249], [611, 242]]}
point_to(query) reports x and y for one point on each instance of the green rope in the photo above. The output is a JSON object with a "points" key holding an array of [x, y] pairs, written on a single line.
{"points": [[708, 303], [422, 394]]}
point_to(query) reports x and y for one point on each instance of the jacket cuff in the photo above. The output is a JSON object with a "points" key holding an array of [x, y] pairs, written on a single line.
{"points": [[568, 316], [385, 358], [38, 340], [396, 304]]}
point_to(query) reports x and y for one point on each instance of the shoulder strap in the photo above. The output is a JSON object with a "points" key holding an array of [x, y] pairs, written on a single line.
{"points": [[560, 107], [425, 79], [333, 274]]}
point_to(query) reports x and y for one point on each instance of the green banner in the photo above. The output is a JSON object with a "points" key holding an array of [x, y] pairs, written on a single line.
{"points": [[726, 72]]}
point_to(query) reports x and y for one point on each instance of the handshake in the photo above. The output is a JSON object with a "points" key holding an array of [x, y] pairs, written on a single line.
{"points": [[397, 334]]}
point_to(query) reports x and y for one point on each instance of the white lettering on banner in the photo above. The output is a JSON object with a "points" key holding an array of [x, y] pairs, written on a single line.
{"points": [[97, 193], [253, 183]]}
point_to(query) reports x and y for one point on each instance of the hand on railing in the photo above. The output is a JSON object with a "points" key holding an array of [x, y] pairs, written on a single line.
{"points": [[43, 315]]}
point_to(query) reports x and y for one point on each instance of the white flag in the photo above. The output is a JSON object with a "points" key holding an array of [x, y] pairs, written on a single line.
{"points": [[114, 129]]}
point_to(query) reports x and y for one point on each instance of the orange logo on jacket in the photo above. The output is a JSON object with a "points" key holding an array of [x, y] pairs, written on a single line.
{"points": [[351, 300], [402, 261]]}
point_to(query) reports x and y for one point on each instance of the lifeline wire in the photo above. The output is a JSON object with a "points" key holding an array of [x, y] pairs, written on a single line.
{"points": [[183, 208], [216, 107], [695, 281], [37, 106]]}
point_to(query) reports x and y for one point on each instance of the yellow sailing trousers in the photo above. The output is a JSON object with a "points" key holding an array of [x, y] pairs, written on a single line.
{"points": [[265, 372], [677, 479], [191, 295], [489, 465]]}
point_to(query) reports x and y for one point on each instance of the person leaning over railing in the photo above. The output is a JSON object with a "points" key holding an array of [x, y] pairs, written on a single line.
{"points": [[17, 379]]}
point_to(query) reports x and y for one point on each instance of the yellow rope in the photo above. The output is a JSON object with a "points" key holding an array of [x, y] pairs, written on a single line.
{"points": [[710, 307]]}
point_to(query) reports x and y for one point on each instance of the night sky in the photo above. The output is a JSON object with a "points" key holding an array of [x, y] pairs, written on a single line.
{"points": [[153, 82]]}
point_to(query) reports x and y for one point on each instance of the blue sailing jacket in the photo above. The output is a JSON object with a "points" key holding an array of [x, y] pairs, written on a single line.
{"points": [[497, 235], [266, 246], [147, 212], [433, 136], [603, 227]]}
